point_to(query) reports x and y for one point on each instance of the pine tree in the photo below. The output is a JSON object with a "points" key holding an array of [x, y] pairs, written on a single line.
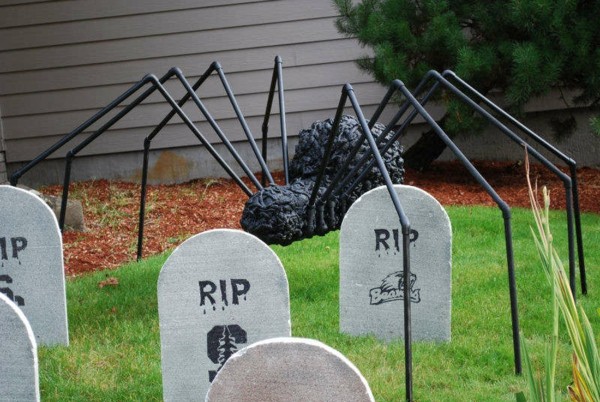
{"points": [[522, 47], [227, 346]]}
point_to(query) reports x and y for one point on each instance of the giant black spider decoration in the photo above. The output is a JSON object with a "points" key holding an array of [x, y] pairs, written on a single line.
{"points": [[335, 161], [276, 214], [280, 214]]}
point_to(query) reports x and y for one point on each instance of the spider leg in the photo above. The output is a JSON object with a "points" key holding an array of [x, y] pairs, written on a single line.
{"points": [[73, 152], [556, 152], [70, 136], [244, 124], [316, 220], [277, 79], [347, 188], [216, 128], [398, 85], [190, 93], [348, 94]]}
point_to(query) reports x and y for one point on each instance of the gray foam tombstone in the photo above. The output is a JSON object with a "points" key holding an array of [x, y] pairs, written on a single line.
{"points": [[19, 380], [31, 264], [218, 292], [371, 267], [289, 369]]}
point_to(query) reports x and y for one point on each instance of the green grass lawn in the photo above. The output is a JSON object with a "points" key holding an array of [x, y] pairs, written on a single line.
{"points": [[115, 343]]}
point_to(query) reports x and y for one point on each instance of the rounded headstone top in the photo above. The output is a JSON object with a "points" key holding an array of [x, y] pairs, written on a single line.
{"points": [[289, 369], [221, 238], [30, 205], [223, 244], [411, 195]]}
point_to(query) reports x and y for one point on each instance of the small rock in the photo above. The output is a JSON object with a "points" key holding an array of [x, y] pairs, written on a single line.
{"points": [[74, 216]]}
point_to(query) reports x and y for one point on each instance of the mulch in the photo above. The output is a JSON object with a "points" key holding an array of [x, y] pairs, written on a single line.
{"points": [[174, 212]]}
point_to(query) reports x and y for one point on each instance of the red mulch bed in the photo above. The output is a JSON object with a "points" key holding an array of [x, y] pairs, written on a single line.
{"points": [[175, 212]]}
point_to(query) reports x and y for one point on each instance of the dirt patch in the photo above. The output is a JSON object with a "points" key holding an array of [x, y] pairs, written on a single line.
{"points": [[174, 212]]}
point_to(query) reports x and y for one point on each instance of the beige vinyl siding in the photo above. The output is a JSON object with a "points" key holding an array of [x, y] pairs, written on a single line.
{"points": [[62, 61], [45, 12], [243, 82], [119, 72], [172, 22], [2, 142], [302, 107]]}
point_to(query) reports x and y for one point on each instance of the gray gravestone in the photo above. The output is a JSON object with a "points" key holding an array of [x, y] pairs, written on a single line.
{"points": [[288, 370], [19, 379], [218, 292], [371, 266], [31, 264]]}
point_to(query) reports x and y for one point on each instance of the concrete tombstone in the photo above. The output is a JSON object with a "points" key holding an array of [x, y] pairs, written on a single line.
{"points": [[289, 369], [31, 264], [219, 291], [19, 380], [371, 266]]}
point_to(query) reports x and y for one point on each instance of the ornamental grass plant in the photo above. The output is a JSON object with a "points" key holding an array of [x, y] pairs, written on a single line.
{"points": [[586, 360]]}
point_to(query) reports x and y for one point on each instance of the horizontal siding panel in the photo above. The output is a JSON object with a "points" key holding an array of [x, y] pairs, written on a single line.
{"points": [[200, 19], [159, 46], [128, 72], [241, 83], [148, 115], [62, 61], [172, 135], [9, 3], [61, 11], [175, 135]]}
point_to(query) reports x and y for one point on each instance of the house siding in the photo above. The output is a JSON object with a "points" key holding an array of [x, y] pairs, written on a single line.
{"points": [[62, 61], [3, 170]]}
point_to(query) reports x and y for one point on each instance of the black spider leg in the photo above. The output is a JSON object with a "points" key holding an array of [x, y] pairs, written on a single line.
{"points": [[321, 225], [341, 179], [70, 136], [567, 183], [339, 183], [348, 93], [242, 120], [190, 92], [566, 180], [316, 223], [552, 149], [503, 206], [326, 198], [338, 190], [277, 79], [155, 84], [14, 178]]}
